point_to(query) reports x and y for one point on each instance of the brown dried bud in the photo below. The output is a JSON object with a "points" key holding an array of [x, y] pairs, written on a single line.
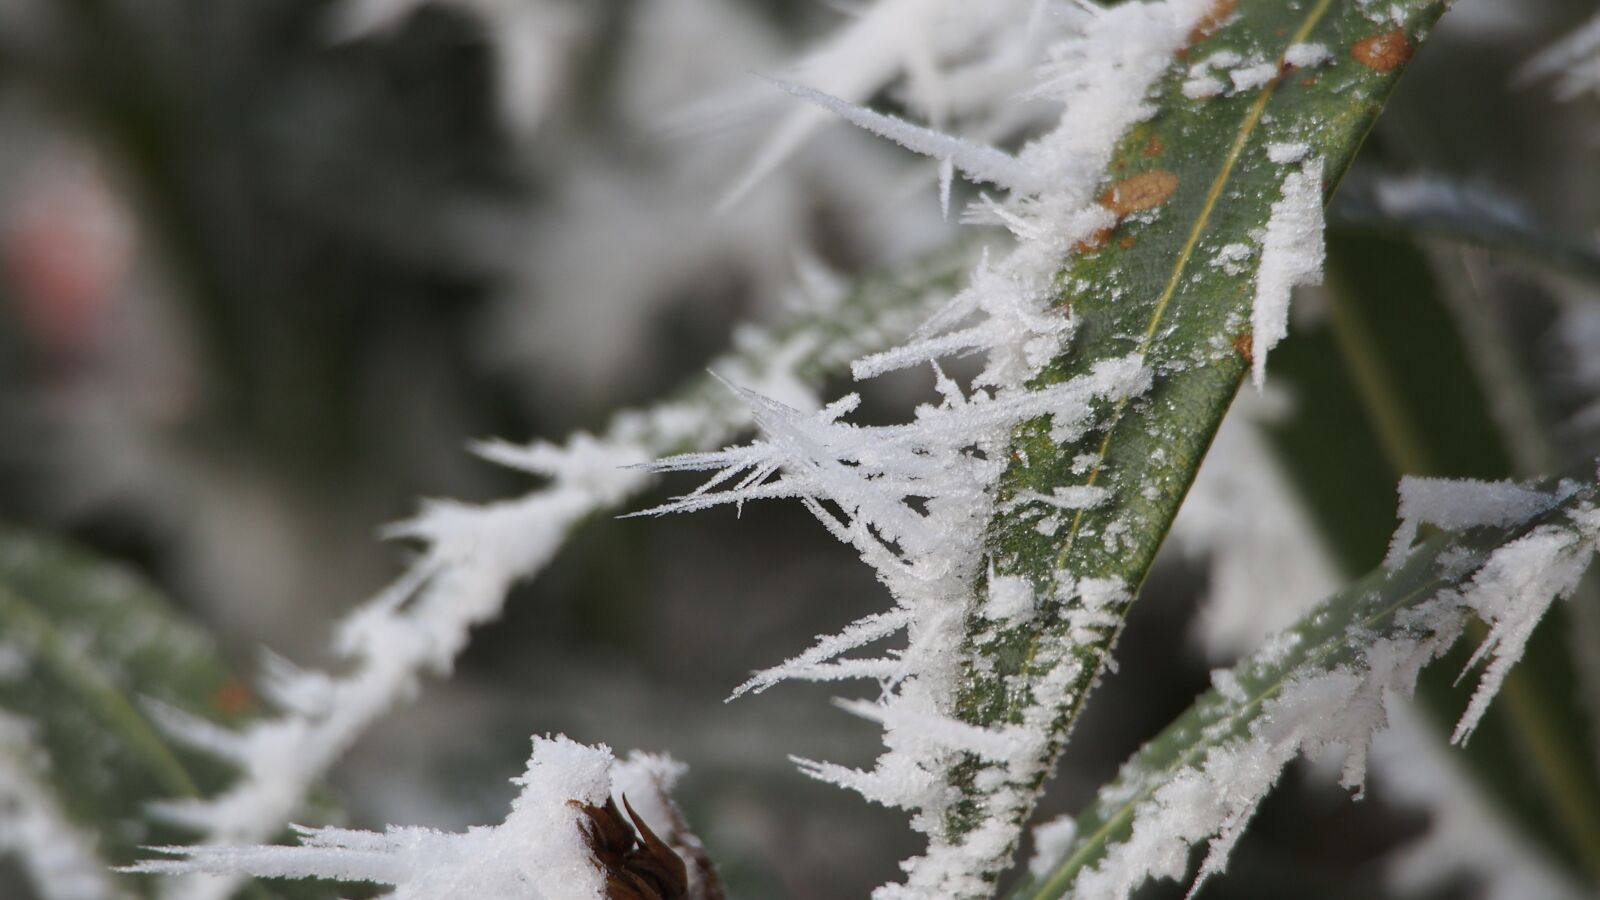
{"points": [[639, 865]]}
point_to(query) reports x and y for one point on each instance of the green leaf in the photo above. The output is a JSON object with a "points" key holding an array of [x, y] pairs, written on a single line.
{"points": [[1336, 637], [87, 648], [1152, 287]]}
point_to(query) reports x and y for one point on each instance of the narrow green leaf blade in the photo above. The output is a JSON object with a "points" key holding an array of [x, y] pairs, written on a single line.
{"points": [[1387, 387], [88, 649], [1342, 635], [1160, 284]]}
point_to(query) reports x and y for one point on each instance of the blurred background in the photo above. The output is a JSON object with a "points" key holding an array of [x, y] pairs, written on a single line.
{"points": [[267, 265]]}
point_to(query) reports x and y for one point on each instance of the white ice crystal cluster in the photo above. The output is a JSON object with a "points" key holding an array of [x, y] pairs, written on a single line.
{"points": [[1291, 255], [540, 851], [914, 499], [1209, 798]]}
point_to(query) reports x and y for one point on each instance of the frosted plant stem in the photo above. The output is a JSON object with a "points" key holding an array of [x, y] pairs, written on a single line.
{"points": [[473, 554]]}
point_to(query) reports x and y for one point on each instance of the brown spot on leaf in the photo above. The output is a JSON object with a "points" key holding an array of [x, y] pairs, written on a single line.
{"points": [[1244, 344], [1308, 81], [234, 698], [1383, 52], [1153, 147], [1212, 20], [1145, 190], [1094, 241], [1126, 242]]}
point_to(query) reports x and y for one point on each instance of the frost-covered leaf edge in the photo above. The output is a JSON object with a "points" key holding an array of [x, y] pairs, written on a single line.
{"points": [[1414, 601], [93, 646]]}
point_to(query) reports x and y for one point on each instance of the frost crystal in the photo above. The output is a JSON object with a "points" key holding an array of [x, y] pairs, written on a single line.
{"points": [[954, 58], [1283, 154], [1306, 56], [1251, 77], [1454, 505], [1291, 255], [1050, 844], [1203, 87], [1511, 593]]}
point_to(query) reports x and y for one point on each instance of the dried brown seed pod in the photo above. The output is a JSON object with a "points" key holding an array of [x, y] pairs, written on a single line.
{"points": [[638, 865]]}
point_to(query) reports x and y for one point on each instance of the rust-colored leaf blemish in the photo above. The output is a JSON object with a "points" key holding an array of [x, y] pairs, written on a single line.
{"points": [[1308, 81], [1383, 52], [234, 698], [1126, 242], [1244, 344], [1094, 241], [1153, 147], [1145, 190], [1212, 20]]}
